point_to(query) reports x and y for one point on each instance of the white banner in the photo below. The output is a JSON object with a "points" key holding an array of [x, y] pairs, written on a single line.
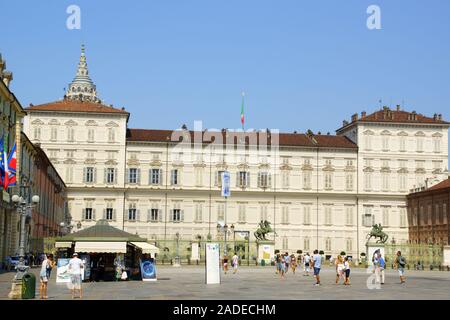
{"points": [[225, 184], [195, 252], [212, 263]]}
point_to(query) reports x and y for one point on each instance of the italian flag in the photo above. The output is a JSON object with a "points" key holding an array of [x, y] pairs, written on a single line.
{"points": [[242, 110]]}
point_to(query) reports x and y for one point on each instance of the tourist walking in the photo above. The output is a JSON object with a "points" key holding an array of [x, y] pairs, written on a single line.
{"points": [[400, 262], [339, 264], [225, 264], [293, 263], [43, 278], [307, 261], [347, 271], [287, 262], [280, 265], [235, 262], [76, 267], [51, 265], [376, 265], [317, 262], [382, 267]]}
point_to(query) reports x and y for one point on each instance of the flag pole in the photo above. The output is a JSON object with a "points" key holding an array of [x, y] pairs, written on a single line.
{"points": [[242, 111]]}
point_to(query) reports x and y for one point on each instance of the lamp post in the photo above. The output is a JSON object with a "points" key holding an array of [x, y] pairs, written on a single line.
{"points": [[23, 209], [224, 229], [177, 257]]}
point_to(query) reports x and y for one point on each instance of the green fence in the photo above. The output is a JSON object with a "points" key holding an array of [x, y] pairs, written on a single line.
{"points": [[169, 249], [418, 256]]}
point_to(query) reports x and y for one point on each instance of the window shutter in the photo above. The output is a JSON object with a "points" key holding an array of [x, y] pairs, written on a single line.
{"points": [[149, 215], [83, 215], [179, 177], [126, 215], [104, 213], [105, 176], [138, 215], [269, 180], [181, 215], [237, 179], [94, 179], [259, 179], [138, 176], [127, 176], [93, 214], [160, 215], [149, 176], [114, 215], [248, 179], [373, 219], [115, 175], [160, 177], [171, 216], [216, 178], [84, 175]]}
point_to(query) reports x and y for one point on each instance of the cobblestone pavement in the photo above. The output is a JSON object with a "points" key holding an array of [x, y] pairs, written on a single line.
{"points": [[259, 283]]}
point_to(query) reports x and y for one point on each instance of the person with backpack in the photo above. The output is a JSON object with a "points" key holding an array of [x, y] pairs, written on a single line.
{"points": [[400, 262]]}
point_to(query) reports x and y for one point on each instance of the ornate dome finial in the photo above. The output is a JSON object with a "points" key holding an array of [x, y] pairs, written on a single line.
{"points": [[82, 88]]}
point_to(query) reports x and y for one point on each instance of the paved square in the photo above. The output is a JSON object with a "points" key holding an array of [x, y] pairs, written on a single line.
{"points": [[260, 283]]}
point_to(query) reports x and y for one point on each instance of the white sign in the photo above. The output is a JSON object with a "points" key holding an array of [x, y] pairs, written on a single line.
{"points": [[212, 263], [225, 184], [194, 251]]}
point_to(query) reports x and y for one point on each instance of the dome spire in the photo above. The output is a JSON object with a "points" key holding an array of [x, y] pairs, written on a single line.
{"points": [[82, 88]]}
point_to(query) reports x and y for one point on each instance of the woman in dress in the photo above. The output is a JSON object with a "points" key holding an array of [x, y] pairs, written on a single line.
{"points": [[44, 278], [293, 263]]}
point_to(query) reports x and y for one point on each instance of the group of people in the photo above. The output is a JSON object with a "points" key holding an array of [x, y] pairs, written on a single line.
{"points": [[342, 265], [234, 263], [379, 266], [284, 262], [75, 267]]}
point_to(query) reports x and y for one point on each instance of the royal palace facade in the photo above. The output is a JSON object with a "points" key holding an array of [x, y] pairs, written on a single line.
{"points": [[318, 190]]}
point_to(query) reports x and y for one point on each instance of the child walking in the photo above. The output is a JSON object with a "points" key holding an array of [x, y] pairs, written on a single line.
{"points": [[347, 271]]}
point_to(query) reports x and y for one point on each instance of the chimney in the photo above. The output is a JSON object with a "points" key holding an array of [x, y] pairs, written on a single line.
{"points": [[439, 116], [435, 116], [344, 123], [398, 107], [2, 65], [7, 77], [355, 117], [363, 114]]}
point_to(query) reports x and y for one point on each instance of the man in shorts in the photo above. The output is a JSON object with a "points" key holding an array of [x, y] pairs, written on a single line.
{"points": [[400, 262], [76, 267], [306, 262], [317, 262]]}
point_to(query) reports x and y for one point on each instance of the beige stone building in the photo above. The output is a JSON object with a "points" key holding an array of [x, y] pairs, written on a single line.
{"points": [[318, 190]]}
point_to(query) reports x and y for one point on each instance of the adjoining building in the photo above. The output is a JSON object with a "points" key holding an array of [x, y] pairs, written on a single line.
{"points": [[318, 190], [429, 214]]}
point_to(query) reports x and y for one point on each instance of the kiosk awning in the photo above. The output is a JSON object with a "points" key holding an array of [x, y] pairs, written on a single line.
{"points": [[100, 246], [63, 244], [146, 247]]}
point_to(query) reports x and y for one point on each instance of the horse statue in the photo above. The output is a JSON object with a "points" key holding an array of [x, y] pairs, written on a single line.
{"points": [[263, 230], [377, 232]]}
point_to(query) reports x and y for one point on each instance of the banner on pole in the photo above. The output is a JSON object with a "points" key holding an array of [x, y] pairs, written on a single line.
{"points": [[148, 270], [225, 184]]}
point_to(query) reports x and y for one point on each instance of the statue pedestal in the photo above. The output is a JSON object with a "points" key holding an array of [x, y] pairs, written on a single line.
{"points": [[371, 248], [266, 249], [446, 253]]}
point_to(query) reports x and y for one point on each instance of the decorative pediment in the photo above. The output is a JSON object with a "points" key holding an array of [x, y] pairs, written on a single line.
{"points": [[328, 168], [368, 133], [133, 162], [156, 163], [368, 169], [420, 134], [385, 133], [385, 170], [437, 135], [37, 122], [70, 123], [285, 167], [111, 162], [111, 124], [243, 166], [199, 165], [403, 170], [264, 166], [350, 169], [54, 122], [402, 134], [307, 167], [90, 123], [90, 161], [421, 170], [69, 161], [222, 166]]}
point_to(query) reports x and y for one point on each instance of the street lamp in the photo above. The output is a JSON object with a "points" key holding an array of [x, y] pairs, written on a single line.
{"points": [[177, 258], [224, 229], [23, 208]]}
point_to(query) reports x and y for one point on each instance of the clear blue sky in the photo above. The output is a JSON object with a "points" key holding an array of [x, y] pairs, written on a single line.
{"points": [[303, 64]]}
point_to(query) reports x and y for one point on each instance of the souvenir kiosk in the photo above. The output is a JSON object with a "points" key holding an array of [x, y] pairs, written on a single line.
{"points": [[106, 251]]}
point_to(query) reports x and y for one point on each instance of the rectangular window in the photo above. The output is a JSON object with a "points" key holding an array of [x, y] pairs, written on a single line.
{"points": [[132, 175], [328, 215], [402, 181], [132, 212], [70, 134], [307, 214], [242, 214], [198, 212], [91, 137], [89, 175], [174, 177], [155, 176], [385, 212], [220, 212], [349, 245], [109, 214], [385, 181], [243, 179], [69, 174], [444, 208], [285, 179], [367, 181], [54, 134], [264, 180], [154, 215], [328, 244], [349, 181], [368, 219], [306, 244], [402, 144], [385, 143], [37, 133], [176, 215], [111, 135], [285, 243], [199, 177], [328, 180], [263, 213], [285, 214], [88, 214], [307, 180], [349, 215], [110, 175], [437, 144], [403, 217], [218, 178], [419, 144]]}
